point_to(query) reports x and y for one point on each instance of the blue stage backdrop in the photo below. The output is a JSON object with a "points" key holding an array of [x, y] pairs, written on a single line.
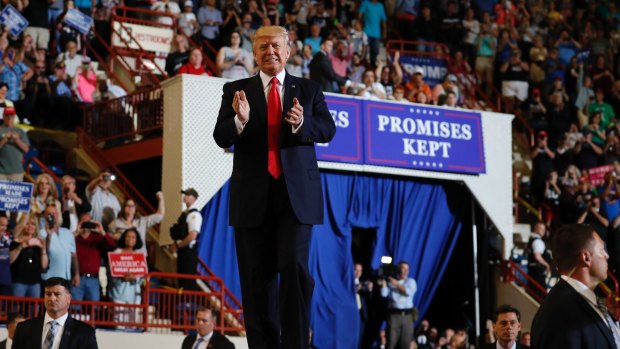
{"points": [[416, 222]]}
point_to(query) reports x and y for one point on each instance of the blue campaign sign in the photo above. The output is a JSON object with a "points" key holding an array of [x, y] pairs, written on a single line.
{"points": [[78, 21], [426, 138], [435, 69], [13, 19], [347, 145], [15, 196]]}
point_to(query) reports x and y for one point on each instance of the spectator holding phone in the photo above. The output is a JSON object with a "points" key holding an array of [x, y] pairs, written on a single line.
{"points": [[28, 258], [44, 194], [92, 243], [128, 217], [104, 204], [60, 246], [72, 204]]}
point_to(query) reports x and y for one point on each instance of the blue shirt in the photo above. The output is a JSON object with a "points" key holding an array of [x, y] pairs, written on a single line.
{"points": [[61, 247], [12, 76], [315, 43], [213, 14], [373, 13], [398, 300], [5, 264]]}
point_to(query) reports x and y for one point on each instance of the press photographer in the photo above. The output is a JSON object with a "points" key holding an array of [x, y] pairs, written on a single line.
{"points": [[400, 291]]}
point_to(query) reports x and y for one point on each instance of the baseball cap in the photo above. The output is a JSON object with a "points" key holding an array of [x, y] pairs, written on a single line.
{"points": [[190, 191], [418, 70], [452, 78], [9, 111], [542, 133]]}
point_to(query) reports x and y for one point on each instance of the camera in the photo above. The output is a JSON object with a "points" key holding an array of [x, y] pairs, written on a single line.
{"points": [[387, 269], [109, 177], [89, 225], [51, 221]]}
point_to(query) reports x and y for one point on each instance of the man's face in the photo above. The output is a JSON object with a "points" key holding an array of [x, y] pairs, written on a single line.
{"points": [[271, 53], [57, 300], [327, 46], [598, 260], [71, 49], [204, 323], [4, 225], [403, 269], [12, 326], [189, 200], [507, 327], [68, 185], [357, 272], [195, 58], [51, 210]]}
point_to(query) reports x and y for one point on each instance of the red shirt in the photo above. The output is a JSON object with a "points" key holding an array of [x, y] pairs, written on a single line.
{"points": [[188, 68], [90, 250]]}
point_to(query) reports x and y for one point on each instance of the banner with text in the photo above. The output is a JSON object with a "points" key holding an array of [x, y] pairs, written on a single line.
{"points": [[13, 19], [78, 21], [15, 196], [122, 263], [347, 145], [136, 36], [423, 137], [435, 69]]}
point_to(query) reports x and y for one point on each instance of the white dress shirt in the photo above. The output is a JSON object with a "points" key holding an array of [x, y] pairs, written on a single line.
{"points": [[59, 330], [205, 341]]}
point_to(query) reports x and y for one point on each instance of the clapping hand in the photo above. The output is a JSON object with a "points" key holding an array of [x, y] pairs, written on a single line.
{"points": [[296, 114], [241, 106]]}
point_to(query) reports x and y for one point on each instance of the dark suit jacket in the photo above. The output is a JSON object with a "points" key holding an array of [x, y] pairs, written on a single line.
{"points": [[76, 335], [3, 344], [566, 320], [250, 181], [217, 342], [494, 346], [322, 71]]}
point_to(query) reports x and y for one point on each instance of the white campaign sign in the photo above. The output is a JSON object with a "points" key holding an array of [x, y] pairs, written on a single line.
{"points": [[151, 39]]}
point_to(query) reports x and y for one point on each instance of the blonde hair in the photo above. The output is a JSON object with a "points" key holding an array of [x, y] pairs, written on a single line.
{"points": [[23, 220], [53, 192], [269, 31]]}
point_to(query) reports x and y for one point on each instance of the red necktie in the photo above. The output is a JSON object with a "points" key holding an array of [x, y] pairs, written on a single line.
{"points": [[274, 127]]}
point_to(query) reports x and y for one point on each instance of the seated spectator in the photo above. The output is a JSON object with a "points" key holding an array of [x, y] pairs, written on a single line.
{"points": [[450, 99], [60, 82], [105, 205], [416, 85], [85, 82], [187, 21], [233, 61], [399, 94], [14, 73], [44, 194], [126, 289], [179, 56], [389, 75], [5, 103], [128, 217], [92, 244], [13, 145], [169, 8], [71, 58], [194, 66], [28, 257], [370, 88], [73, 204], [440, 91]]}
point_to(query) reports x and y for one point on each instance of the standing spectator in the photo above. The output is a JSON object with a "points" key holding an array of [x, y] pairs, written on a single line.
{"points": [[542, 163], [294, 64], [537, 257], [506, 325], [36, 12], [5, 103], [321, 69], [105, 205], [205, 322], [400, 294], [602, 76], [92, 244], [486, 45], [65, 32], [451, 24], [358, 39], [515, 81], [247, 32], [128, 217], [194, 66], [560, 118], [440, 91], [426, 29], [5, 264], [169, 8], [186, 247], [373, 14], [126, 289], [314, 40], [44, 194], [28, 256], [233, 61], [231, 22], [599, 105], [14, 73], [85, 82], [60, 245], [357, 69], [210, 18], [471, 25], [406, 14], [187, 22], [73, 204], [13, 145], [595, 217], [180, 56], [341, 57], [71, 58]]}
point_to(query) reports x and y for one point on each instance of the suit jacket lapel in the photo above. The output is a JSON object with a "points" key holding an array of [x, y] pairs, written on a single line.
{"points": [[66, 333], [38, 335]]}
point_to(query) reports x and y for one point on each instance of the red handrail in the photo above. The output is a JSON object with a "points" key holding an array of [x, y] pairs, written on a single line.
{"points": [[43, 167], [514, 273], [102, 62], [140, 53], [230, 300]]}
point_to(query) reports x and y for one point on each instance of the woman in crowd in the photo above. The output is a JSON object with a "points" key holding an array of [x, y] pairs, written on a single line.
{"points": [[28, 257], [233, 61], [194, 66], [127, 289], [44, 194], [128, 218]]}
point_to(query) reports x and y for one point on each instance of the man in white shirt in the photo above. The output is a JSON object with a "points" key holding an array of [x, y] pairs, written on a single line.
{"points": [[56, 326], [187, 251], [571, 316], [205, 336]]}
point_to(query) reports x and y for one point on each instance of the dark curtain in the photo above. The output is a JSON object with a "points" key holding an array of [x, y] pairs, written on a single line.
{"points": [[416, 222]]}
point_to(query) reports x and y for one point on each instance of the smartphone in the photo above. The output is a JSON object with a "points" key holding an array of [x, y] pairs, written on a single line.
{"points": [[89, 225]]}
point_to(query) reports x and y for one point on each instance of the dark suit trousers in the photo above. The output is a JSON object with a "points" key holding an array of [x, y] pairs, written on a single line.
{"points": [[276, 316]]}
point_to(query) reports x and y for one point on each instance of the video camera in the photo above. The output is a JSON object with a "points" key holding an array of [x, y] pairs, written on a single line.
{"points": [[387, 269]]}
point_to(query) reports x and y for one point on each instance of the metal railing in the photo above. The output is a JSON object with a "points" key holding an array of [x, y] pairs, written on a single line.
{"points": [[512, 272], [231, 302]]}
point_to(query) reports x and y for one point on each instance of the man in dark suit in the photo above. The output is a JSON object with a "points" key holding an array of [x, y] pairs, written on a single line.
{"points": [[11, 323], [275, 190], [506, 325], [56, 329], [322, 71], [205, 337], [570, 316]]}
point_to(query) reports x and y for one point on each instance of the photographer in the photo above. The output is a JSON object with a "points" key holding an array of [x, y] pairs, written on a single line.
{"points": [[105, 205], [595, 217], [92, 243], [60, 245], [400, 293]]}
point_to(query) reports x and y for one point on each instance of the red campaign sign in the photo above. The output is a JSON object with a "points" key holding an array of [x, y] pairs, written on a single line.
{"points": [[597, 174], [122, 263]]}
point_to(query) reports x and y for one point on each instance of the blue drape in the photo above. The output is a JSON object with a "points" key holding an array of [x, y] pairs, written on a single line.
{"points": [[416, 222]]}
